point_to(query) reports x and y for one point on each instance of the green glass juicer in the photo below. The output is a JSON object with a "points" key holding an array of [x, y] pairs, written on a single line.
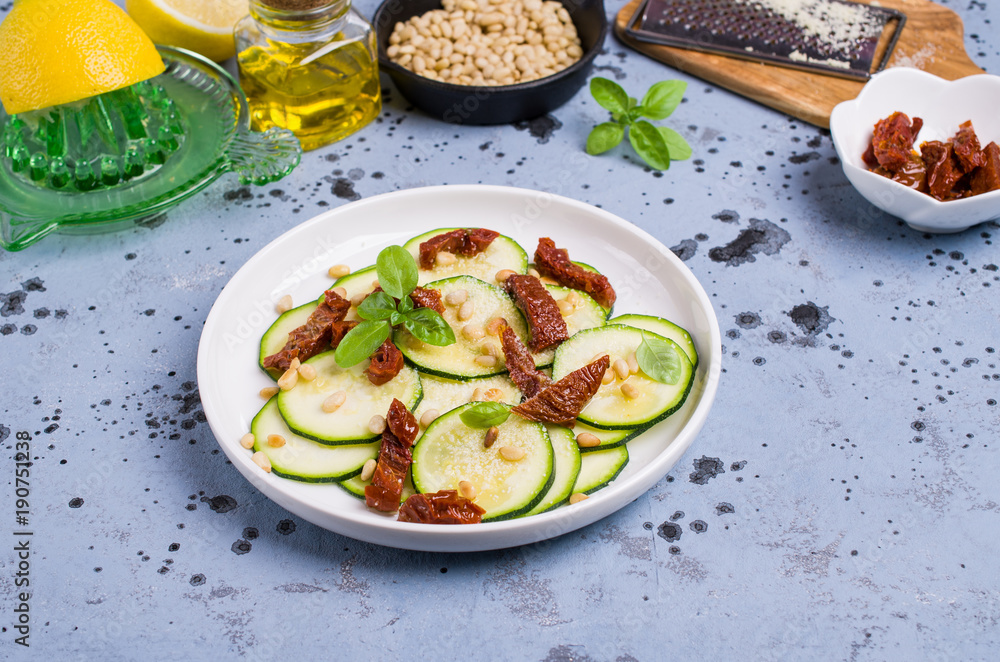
{"points": [[104, 163]]}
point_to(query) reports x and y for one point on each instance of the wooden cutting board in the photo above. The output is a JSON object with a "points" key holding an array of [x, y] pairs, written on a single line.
{"points": [[931, 39]]}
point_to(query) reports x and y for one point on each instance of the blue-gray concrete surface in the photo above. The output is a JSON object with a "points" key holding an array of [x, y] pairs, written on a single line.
{"points": [[840, 503]]}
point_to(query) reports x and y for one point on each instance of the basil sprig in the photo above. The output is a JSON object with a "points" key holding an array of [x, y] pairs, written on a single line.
{"points": [[485, 414], [659, 360], [656, 145], [397, 276]]}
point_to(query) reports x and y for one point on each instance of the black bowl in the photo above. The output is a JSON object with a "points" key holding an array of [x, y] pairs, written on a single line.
{"points": [[472, 104]]}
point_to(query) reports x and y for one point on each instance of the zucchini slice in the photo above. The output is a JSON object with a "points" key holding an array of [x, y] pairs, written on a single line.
{"points": [[355, 283], [446, 394], [587, 314], [303, 459], [502, 253], [663, 327], [355, 486], [301, 407], [567, 455], [458, 361], [610, 409], [609, 438], [449, 451], [277, 334], [600, 468]]}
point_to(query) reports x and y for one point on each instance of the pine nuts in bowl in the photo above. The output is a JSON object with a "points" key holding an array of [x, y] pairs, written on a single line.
{"points": [[502, 61]]}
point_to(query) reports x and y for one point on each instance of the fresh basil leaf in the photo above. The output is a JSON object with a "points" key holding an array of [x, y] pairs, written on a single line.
{"points": [[405, 305], [429, 326], [397, 271], [659, 360], [662, 99], [361, 342], [604, 137], [609, 95], [485, 414], [377, 306], [397, 318], [678, 147], [649, 144]]}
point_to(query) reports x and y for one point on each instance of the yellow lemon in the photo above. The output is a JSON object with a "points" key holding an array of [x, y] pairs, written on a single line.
{"points": [[58, 51], [197, 25]]}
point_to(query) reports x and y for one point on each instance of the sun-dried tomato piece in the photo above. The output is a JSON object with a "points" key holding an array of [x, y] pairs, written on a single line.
{"points": [[465, 242], [385, 363], [340, 329], [892, 140], [546, 325], [394, 459], [562, 401], [966, 147], [942, 170], [987, 177], [312, 337], [520, 365], [427, 298], [555, 263], [444, 507]]}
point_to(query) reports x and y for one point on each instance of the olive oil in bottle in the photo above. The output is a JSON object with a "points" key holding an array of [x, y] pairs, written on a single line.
{"points": [[309, 66]]}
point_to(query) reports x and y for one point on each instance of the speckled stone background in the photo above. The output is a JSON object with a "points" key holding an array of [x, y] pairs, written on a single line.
{"points": [[841, 503]]}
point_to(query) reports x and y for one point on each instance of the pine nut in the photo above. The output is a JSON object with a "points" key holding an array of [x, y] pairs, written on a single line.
{"points": [[368, 470], [512, 453], [534, 272], [574, 298], [248, 440], [339, 271], [457, 297], [545, 280], [288, 380], [633, 364], [269, 392], [565, 307], [340, 292], [587, 440], [377, 424], [307, 372], [494, 394], [294, 365], [261, 461], [444, 259], [284, 304], [629, 391], [504, 274], [375, 285], [487, 361], [467, 489], [479, 395], [495, 326], [466, 311], [333, 403], [473, 332], [491, 436], [609, 376], [490, 349], [275, 440], [578, 497], [357, 299], [621, 368], [429, 417]]}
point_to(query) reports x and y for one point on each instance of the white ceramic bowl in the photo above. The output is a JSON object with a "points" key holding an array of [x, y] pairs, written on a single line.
{"points": [[943, 105], [648, 278]]}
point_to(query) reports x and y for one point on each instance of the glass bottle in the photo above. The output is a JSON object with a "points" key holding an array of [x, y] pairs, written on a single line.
{"points": [[309, 66]]}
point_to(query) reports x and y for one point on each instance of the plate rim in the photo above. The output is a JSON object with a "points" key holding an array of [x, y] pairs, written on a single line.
{"points": [[491, 535]]}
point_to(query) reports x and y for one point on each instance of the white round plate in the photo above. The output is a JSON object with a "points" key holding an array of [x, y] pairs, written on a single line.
{"points": [[647, 276]]}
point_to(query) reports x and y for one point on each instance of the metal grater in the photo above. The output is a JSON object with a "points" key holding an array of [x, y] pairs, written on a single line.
{"points": [[835, 37]]}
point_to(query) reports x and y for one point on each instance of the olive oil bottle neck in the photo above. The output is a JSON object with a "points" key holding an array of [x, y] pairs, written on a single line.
{"points": [[300, 17]]}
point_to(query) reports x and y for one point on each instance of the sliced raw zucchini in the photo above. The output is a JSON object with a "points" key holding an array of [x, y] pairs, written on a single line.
{"points": [[449, 451], [610, 409], [665, 328], [355, 486], [587, 314], [276, 336], [458, 361], [567, 455], [502, 253], [609, 438], [361, 281], [600, 468], [301, 407], [446, 394], [302, 459]]}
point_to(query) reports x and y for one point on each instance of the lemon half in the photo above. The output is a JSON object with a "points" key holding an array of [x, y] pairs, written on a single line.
{"points": [[197, 25], [59, 51]]}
